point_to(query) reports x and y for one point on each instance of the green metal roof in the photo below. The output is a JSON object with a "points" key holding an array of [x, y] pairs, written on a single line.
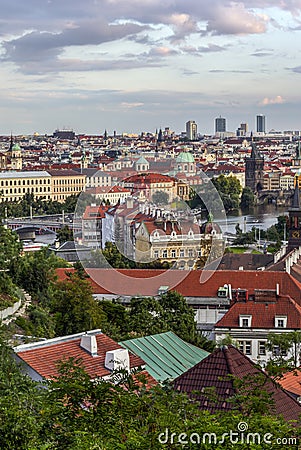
{"points": [[166, 355]]}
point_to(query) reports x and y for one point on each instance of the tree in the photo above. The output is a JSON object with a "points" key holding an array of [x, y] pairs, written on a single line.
{"points": [[169, 313], [229, 189], [65, 234], [74, 307], [35, 272], [285, 351], [20, 404], [160, 198], [10, 248], [247, 199]]}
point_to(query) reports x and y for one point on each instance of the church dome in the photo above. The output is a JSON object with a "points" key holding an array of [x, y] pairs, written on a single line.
{"points": [[16, 148], [185, 157]]}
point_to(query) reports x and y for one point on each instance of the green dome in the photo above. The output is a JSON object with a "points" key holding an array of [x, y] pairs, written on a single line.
{"points": [[185, 157], [16, 147]]}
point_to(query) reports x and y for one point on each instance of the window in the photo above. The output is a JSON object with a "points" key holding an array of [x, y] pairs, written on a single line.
{"points": [[280, 321], [261, 348], [156, 254], [190, 253], [245, 347], [278, 351], [164, 254], [245, 321], [182, 253], [173, 253]]}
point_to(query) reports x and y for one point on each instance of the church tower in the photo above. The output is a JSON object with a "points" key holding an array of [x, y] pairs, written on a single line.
{"points": [[294, 220], [254, 170], [15, 155]]}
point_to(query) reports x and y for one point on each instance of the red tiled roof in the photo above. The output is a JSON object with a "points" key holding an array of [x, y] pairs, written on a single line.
{"points": [[45, 358], [149, 178], [216, 371], [191, 283], [291, 382], [263, 313], [95, 212]]}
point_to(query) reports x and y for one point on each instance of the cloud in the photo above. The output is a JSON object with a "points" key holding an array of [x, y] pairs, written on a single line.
{"points": [[262, 54], [129, 105], [296, 69], [278, 100], [229, 71], [236, 19], [211, 48], [35, 34], [38, 45]]}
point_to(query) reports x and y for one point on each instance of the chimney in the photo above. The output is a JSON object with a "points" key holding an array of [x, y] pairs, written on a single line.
{"points": [[277, 289], [57, 244], [88, 342], [117, 359], [230, 291]]}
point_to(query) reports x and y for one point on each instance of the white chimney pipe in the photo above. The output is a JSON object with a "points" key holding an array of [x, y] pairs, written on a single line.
{"points": [[88, 342], [117, 359], [230, 291]]}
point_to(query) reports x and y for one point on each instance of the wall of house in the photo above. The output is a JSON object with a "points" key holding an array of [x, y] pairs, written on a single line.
{"points": [[10, 310], [256, 338]]}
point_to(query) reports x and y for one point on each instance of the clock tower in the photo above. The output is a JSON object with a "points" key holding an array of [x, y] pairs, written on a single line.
{"points": [[294, 220]]}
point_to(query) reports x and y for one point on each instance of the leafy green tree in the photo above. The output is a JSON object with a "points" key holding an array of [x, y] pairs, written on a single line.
{"points": [[146, 316], [170, 312], [285, 351], [65, 234], [160, 198], [229, 189], [81, 414], [116, 322], [272, 234], [37, 322], [20, 405], [10, 248], [74, 306], [35, 272], [281, 226], [247, 199]]}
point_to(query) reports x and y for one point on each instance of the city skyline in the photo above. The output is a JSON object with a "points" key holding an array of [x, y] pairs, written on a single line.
{"points": [[117, 66]]}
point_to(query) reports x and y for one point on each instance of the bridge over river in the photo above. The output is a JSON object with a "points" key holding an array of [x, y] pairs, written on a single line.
{"points": [[277, 196]]}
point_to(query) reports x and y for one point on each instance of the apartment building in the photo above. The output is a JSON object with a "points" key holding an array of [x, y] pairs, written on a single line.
{"points": [[15, 185], [65, 183]]}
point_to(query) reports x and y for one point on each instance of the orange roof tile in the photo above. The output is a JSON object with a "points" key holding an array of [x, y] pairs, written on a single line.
{"points": [[45, 358], [263, 313], [291, 382], [189, 283]]}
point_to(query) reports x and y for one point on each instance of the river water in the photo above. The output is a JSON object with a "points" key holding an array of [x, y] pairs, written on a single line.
{"points": [[260, 217]]}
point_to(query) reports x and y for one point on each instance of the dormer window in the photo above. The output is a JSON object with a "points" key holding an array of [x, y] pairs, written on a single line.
{"points": [[245, 321], [190, 233], [280, 321]]}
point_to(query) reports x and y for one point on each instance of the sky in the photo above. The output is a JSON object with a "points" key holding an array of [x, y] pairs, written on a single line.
{"points": [[140, 65]]}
